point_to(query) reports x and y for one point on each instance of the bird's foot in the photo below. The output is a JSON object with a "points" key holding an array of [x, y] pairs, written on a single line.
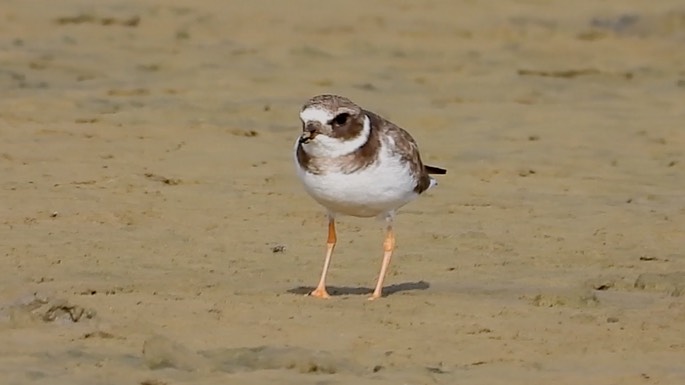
{"points": [[320, 293], [375, 296]]}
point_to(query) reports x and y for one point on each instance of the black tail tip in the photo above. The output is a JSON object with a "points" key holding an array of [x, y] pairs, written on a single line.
{"points": [[435, 170]]}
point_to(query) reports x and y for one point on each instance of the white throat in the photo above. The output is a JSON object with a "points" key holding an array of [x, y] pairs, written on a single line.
{"points": [[327, 147]]}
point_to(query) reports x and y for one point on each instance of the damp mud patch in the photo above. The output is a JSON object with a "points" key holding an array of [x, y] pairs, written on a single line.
{"points": [[571, 297], [671, 283], [160, 352], [37, 308]]}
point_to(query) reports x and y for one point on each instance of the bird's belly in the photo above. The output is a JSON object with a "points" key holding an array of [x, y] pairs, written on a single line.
{"points": [[365, 193]]}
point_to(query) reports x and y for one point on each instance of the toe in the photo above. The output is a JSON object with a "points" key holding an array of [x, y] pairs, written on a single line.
{"points": [[319, 293]]}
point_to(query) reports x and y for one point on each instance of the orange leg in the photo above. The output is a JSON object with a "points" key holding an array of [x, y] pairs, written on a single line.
{"points": [[388, 247], [320, 291]]}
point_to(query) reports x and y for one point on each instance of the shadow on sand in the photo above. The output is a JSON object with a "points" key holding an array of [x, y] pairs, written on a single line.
{"points": [[347, 290]]}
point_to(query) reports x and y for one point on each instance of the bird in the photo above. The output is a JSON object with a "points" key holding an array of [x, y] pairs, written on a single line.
{"points": [[354, 162]]}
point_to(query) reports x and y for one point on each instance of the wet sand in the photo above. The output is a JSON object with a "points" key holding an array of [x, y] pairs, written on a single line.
{"points": [[154, 232]]}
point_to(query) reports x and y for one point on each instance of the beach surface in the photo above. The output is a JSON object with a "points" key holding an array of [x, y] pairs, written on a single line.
{"points": [[153, 230]]}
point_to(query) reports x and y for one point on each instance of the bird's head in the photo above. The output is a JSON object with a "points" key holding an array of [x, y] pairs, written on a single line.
{"points": [[332, 126]]}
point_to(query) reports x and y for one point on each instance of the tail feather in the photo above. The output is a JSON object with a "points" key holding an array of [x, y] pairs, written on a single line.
{"points": [[435, 170]]}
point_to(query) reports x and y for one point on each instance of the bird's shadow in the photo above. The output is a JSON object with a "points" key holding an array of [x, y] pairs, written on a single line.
{"points": [[347, 290]]}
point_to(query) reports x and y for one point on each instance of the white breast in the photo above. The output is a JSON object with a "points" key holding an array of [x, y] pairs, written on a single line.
{"points": [[376, 190]]}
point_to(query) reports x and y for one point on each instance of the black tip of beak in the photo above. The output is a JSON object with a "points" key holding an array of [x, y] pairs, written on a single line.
{"points": [[309, 131]]}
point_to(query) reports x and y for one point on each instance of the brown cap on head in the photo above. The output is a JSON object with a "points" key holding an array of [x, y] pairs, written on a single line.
{"points": [[332, 103]]}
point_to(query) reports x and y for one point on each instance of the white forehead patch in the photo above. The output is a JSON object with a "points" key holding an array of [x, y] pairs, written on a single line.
{"points": [[314, 114]]}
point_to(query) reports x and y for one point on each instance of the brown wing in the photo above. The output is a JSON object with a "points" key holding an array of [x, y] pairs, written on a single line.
{"points": [[408, 150]]}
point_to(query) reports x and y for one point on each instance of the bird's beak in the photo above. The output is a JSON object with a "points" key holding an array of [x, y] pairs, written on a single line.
{"points": [[306, 137], [309, 131]]}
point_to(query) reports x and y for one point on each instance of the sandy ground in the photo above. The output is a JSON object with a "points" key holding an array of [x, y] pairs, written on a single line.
{"points": [[154, 232]]}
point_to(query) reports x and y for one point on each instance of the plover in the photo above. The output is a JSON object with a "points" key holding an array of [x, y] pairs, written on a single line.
{"points": [[354, 162]]}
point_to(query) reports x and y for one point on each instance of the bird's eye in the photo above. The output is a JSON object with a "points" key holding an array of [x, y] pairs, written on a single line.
{"points": [[341, 119]]}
